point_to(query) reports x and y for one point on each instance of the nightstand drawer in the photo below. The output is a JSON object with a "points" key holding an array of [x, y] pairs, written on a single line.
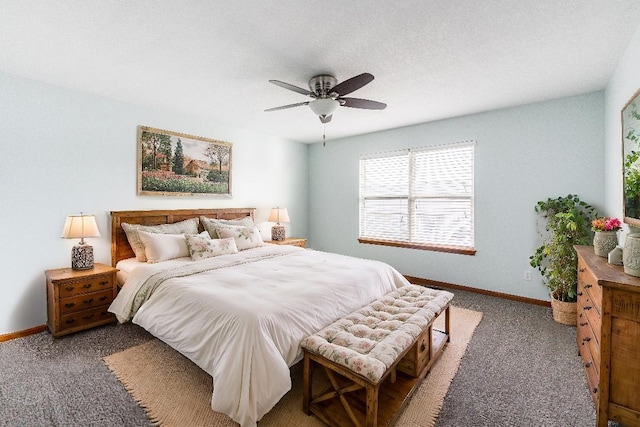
{"points": [[87, 317], [79, 287], [85, 301]]}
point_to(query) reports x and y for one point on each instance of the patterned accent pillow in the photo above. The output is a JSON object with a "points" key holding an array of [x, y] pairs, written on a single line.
{"points": [[189, 226], [210, 224], [202, 247], [162, 247], [245, 237]]}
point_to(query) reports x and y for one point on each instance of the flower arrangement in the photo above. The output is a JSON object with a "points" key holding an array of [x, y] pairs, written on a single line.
{"points": [[606, 224]]}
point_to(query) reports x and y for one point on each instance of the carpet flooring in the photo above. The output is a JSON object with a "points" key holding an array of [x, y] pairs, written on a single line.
{"points": [[520, 369]]}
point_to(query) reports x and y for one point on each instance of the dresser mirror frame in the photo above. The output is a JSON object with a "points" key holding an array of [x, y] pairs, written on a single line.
{"points": [[630, 119]]}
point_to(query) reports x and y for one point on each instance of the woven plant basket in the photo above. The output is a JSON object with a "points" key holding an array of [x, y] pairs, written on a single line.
{"points": [[564, 312]]}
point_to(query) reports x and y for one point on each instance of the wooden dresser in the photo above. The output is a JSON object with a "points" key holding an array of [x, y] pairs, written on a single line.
{"points": [[608, 337]]}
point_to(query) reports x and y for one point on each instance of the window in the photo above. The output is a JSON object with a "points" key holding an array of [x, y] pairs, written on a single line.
{"points": [[419, 198]]}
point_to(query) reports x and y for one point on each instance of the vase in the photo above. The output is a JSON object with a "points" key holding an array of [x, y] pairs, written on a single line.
{"points": [[604, 242], [631, 254]]}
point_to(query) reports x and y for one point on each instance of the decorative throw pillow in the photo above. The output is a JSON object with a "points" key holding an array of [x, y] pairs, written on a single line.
{"points": [[189, 226], [210, 224], [245, 237], [161, 247], [201, 247]]}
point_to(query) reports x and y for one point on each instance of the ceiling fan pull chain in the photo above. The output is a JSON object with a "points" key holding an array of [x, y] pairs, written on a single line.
{"points": [[324, 137]]}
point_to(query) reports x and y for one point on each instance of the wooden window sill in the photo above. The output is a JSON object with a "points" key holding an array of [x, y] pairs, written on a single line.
{"points": [[426, 247]]}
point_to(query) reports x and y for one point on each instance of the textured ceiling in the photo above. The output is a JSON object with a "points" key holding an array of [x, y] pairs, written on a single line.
{"points": [[431, 59]]}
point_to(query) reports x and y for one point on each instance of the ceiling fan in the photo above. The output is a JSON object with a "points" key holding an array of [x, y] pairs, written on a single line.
{"points": [[328, 95]]}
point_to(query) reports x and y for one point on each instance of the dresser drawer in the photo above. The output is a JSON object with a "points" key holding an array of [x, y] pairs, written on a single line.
{"points": [[83, 286], [588, 286], [593, 380], [588, 313], [85, 301], [87, 317], [587, 344]]}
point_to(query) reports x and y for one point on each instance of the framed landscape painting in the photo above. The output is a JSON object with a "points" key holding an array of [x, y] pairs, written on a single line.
{"points": [[176, 164]]}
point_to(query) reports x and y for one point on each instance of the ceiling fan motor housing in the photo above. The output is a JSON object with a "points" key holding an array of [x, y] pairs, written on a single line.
{"points": [[322, 84]]}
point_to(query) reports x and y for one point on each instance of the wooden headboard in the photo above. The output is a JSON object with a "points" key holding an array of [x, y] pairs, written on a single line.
{"points": [[120, 248]]}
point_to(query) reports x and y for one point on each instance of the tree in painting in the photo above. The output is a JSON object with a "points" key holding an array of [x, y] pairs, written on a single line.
{"points": [[178, 159]]}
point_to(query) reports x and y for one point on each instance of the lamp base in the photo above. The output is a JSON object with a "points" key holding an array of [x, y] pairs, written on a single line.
{"points": [[82, 257], [277, 233]]}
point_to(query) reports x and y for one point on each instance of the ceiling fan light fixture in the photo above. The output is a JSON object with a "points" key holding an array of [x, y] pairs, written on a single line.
{"points": [[323, 106]]}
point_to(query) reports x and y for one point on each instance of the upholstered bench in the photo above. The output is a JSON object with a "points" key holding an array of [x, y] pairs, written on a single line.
{"points": [[366, 348]]}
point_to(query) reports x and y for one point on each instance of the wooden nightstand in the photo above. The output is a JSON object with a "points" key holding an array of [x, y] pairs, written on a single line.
{"points": [[291, 241], [78, 299]]}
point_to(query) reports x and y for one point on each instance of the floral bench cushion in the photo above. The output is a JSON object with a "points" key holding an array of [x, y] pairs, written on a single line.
{"points": [[370, 340]]}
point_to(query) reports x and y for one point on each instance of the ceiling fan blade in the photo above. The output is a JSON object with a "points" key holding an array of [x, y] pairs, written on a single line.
{"points": [[284, 107], [292, 87], [354, 83], [367, 104], [325, 119]]}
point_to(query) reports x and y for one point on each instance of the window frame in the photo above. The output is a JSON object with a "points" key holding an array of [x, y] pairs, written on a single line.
{"points": [[411, 197]]}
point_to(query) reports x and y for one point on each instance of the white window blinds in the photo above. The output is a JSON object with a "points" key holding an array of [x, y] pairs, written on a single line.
{"points": [[420, 196]]}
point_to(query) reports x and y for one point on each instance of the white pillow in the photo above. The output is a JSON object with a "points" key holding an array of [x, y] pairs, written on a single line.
{"points": [[161, 247], [188, 226], [210, 224], [245, 237], [201, 247]]}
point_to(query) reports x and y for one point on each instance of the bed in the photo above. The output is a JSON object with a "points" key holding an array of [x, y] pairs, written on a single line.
{"points": [[241, 316]]}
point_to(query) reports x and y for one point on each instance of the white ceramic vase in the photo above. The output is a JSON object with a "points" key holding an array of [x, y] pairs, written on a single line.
{"points": [[631, 254], [604, 242]]}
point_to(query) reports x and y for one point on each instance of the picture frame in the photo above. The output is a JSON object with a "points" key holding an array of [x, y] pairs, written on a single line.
{"points": [[178, 164], [630, 122]]}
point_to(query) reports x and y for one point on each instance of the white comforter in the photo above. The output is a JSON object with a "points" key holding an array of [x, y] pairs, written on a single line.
{"points": [[242, 320]]}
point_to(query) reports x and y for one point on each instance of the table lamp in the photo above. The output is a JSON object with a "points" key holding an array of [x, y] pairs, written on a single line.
{"points": [[278, 215], [81, 226]]}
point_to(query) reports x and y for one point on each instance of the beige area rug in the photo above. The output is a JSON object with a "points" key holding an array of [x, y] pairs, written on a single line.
{"points": [[175, 392]]}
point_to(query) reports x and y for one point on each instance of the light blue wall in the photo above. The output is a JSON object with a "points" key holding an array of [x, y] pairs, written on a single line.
{"points": [[523, 155], [63, 152], [623, 84]]}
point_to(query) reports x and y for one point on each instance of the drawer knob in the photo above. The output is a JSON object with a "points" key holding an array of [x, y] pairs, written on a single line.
{"points": [[594, 390], [88, 301], [104, 282], [69, 288], [70, 304], [586, 339], [87, 286], [423, 347], [587, 286], [103, 298], [583, 324], [588, 364], [582, 270], [587, 307], [70, 321]]}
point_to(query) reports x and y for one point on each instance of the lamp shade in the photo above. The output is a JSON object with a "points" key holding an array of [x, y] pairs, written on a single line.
{"points": [[279, 215], [80, 226]]}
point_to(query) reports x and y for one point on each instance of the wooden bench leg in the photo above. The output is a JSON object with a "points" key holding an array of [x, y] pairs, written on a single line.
{"points": [[306, 384], [447, 322], [372, 406]]}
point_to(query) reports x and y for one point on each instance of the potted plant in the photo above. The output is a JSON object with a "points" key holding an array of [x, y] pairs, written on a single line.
{"points": [[606, 235], [567, 222]]}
